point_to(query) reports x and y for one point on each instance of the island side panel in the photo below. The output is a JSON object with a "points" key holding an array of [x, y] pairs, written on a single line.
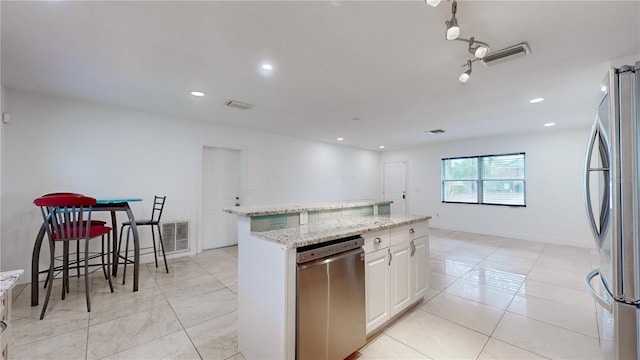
{"points": [[264, 297]]}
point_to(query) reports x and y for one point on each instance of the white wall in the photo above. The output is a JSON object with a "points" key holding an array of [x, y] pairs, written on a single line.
{"points": [[57, 144], [555, 210]]}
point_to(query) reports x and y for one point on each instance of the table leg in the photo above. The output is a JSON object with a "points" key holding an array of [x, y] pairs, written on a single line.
{"points": [[35, 265], [114, 248], [136, 247]]}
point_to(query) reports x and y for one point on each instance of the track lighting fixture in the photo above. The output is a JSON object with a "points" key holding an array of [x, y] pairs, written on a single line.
{"points": [[478, 48], [453, 30], [464, 77]]}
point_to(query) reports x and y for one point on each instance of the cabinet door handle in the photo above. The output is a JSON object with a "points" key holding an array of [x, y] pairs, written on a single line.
{"points": [[377, 240], [390, 256], [413, 248], [411, 231]]}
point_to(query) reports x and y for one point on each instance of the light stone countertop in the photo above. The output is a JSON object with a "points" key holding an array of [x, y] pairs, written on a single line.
{"points": [[8, 280], [330, 230], [261, 210]]}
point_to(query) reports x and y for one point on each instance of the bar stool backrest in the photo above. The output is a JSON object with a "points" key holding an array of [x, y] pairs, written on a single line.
{"points": [[158, 206], [68, 217]]}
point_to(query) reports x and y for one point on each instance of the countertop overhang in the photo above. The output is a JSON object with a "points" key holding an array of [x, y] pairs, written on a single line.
{"points": [[261, 210], [309, 234], [8, 280]]}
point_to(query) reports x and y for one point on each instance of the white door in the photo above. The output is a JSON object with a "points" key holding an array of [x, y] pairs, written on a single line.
{"points": [[395, 186], [419, 274], [400, 278], [377, 288], [220, 189]]}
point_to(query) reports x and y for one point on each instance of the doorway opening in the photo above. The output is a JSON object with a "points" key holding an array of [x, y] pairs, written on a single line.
{"points": [[395, 186], [222, 187]]}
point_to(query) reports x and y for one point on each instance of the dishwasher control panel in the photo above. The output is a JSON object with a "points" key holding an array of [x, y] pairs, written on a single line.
{"points": [[322, 250]]}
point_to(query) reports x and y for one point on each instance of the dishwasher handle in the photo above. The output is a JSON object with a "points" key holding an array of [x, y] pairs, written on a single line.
{"points": [[330, 259]]}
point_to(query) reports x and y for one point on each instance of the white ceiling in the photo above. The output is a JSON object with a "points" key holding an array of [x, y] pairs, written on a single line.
{"points": [[386, 63]]}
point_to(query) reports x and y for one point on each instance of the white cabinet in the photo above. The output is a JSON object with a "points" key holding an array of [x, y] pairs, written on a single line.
{"points": [[376, 275], [395, 271], [419, 268], [400, 277]]}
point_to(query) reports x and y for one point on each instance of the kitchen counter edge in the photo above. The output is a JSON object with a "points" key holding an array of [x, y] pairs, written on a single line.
{"points": [[304, 235], [8, 280], [262, 210]]}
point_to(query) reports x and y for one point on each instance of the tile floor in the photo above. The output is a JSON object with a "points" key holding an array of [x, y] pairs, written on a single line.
{"points": [[490, 298]]}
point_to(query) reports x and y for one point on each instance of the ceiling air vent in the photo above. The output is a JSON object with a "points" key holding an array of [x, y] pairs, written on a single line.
{"points": [[238, 105], [436, 132], [512, 52]]}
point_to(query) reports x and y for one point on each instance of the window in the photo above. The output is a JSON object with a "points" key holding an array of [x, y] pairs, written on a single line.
{"points": [[490, 179]]}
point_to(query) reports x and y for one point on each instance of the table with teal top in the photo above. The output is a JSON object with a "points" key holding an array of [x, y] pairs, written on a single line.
{"points": [[102, 204]]}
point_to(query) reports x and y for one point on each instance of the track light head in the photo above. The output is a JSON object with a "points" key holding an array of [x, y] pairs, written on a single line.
{"points": [[453, 30], [481, 51], [478, 48], [464, 77], [433, 3]]}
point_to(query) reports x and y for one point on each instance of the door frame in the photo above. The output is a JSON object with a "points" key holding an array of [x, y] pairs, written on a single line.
{"points": [[406, 182], [243, 183]]}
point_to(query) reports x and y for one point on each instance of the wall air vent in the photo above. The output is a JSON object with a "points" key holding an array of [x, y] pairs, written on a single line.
{"points": [[436, 132], [238, 105], [175, 236], [512, 52]]}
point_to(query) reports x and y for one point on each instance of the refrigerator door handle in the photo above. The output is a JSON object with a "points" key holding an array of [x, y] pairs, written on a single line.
{"points": [[597, 138], [594, 294]]}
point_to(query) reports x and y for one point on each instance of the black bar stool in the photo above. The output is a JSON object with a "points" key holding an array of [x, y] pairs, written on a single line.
{"points": [[154, 222]]}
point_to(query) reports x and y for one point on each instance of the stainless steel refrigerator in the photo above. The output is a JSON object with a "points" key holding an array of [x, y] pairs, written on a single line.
{"points": [[612, 190]]}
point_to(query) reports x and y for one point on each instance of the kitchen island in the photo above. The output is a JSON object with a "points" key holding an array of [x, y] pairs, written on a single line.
{"points": [[268, 239]]}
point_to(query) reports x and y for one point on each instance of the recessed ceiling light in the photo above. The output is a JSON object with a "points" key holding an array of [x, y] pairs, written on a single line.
{"points": [[197, 93], [267, 67], [381, 147], [536, 100], [550, 124], [340, 139]]}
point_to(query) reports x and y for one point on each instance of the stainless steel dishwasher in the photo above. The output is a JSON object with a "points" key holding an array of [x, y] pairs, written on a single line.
{"points": [[330, 304]]}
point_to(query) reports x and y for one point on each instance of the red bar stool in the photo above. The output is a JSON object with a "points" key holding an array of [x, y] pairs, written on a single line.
{"points": [[93, 223], [67, 217]]}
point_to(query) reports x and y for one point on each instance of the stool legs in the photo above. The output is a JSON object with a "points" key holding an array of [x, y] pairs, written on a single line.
{"points": [[86, 275], [166, 266], [106, 268], [108, 260], [126, 256], [52, 250], [155, 252], [126, 248]]}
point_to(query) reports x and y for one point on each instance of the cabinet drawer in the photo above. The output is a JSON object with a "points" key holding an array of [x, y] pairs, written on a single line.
{"points": [[376, 240], [400, 234], [409, 232], [420, 229]]}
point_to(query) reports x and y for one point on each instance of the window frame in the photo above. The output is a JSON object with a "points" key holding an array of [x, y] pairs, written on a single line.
{"points": [[480, 180]]}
